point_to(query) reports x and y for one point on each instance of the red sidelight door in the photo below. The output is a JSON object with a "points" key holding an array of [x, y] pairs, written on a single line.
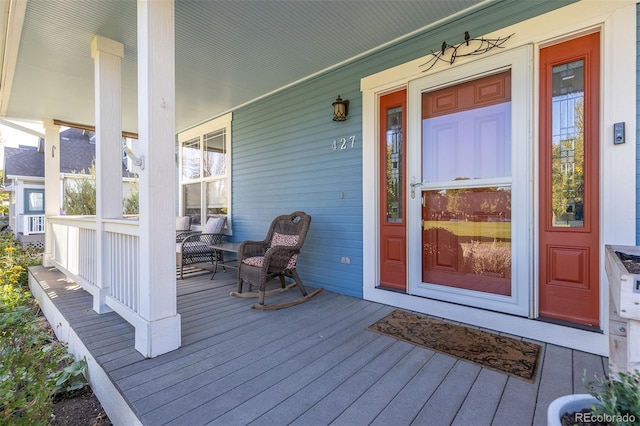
{"points": [[569, 181], [393, 206]]}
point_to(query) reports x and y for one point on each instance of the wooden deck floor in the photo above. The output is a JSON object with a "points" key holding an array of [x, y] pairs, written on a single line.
{"points": [[312, 364]]}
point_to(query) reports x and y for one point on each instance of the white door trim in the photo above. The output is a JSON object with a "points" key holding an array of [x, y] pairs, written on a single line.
{"points": [[519, 60], [618, 203]]}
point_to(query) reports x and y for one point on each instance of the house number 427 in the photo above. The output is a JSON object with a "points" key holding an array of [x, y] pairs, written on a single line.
{"points": [[343, 143]]}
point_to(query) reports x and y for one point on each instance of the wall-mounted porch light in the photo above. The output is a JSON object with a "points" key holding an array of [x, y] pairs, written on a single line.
{"points": [[340, 109]]}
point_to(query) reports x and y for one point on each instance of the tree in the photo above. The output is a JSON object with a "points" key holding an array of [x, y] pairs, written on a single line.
{"points": [[132, 202], [80, 193], [4, 196], [567, 180]]}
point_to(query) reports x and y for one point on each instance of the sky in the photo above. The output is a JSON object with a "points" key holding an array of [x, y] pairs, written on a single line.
{"points": [[13, 138]]}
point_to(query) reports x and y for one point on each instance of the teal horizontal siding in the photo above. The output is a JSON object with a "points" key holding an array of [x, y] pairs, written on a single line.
{"points": [[283, 160]]}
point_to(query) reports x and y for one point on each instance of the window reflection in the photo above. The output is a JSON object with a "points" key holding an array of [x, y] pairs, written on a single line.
{"points": [[472, 144], [567, 152], [216, 198], [394, 165], [467, 238], [34, 201], [192, 199], [214, 154], [191, 159]]}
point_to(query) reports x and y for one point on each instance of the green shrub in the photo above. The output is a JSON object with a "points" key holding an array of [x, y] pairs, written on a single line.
{"points": [[131, 204], [620, 398], [80, 194], [34, 366]]}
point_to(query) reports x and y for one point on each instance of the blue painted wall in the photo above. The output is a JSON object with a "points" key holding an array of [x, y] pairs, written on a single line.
{"points": [[283, 158]]}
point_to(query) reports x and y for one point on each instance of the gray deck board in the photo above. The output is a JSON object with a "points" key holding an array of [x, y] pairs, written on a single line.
{"points": [[309, 385], [384, 389], [270, 363], [231, 361], [404, 408], [311, 364], [481, 403], [556, 379], [340, 398], [443, 406]]}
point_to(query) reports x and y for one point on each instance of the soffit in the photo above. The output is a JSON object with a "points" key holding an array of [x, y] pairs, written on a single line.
{"points": [[227, 52]]}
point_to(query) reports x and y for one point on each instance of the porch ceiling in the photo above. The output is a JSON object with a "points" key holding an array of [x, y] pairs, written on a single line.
{"points": [[227, 52]]}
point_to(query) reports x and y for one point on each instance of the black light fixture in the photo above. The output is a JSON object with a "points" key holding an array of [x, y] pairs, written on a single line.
{"points": [[340, 109]]}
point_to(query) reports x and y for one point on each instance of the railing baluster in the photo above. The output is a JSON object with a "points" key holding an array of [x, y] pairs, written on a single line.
{"points": [[75, 253]]}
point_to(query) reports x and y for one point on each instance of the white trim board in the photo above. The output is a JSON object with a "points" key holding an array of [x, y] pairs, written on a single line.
{"points": [[587, 341]]}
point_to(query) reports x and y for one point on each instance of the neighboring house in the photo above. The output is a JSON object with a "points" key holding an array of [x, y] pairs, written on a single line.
{"points": [[475, 182], [24, 180]]}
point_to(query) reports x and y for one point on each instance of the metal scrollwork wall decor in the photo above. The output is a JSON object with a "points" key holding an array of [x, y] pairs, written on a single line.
{"points": [[469, 47]]}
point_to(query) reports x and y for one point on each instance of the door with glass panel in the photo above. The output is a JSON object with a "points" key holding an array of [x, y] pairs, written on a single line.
{"points": [[393, 208], [569, 181], [465, 188]]}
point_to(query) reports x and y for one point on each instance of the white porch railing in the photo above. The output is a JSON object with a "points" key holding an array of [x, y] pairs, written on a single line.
{"points": [[74, 249], [33, 224], [122, 267], [75, 252]]}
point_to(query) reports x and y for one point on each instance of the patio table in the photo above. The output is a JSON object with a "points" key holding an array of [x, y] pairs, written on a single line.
{"points": [[223, 247]]}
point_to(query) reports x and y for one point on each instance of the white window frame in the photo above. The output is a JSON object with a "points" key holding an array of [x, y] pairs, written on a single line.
{"points": [[217, 124]]}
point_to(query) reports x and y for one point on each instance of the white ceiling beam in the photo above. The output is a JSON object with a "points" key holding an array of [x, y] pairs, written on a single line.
{"points": [[23, 129], [15, 21]]}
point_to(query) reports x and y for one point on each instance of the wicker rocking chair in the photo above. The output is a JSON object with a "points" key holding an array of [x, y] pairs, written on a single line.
{"points": [[258, 261]]}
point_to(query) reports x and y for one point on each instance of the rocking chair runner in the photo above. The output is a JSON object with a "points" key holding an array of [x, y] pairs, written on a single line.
{"points": [[276, 255]]}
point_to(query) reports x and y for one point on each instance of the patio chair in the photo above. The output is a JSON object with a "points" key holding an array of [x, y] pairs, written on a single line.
{"points": [[183, 227], [196, 247], [276, 255]]}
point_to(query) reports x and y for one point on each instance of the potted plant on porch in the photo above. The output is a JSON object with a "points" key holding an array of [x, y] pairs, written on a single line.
{"points": [[610, 401]]}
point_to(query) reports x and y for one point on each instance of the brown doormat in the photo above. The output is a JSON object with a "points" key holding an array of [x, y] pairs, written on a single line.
{"points": [[515, 357]]}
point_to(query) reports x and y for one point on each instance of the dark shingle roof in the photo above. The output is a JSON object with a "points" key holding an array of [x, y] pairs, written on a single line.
{"points": [[77, 153], [23, 162]]}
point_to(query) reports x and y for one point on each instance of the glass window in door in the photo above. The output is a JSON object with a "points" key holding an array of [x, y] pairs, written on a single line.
{"points": [[466, 198]]}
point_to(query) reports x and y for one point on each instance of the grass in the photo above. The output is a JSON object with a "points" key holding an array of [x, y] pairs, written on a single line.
{"points": [[500, 231]]}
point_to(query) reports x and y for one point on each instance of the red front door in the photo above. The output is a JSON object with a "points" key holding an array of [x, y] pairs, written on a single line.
{"points": [[569, 181], [393, 239]]}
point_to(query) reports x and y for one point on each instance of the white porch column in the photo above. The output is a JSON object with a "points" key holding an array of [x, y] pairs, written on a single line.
{"points": [[107, 55], [156, 132], [51, 184]]}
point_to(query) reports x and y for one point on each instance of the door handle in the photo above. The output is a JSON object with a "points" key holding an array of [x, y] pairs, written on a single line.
{"points": [[413, 186]]}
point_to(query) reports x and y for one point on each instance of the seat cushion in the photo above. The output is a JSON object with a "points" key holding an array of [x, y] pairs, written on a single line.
{"points": [[214, 225], [256, 261], [183, 223], [279, 239]]}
